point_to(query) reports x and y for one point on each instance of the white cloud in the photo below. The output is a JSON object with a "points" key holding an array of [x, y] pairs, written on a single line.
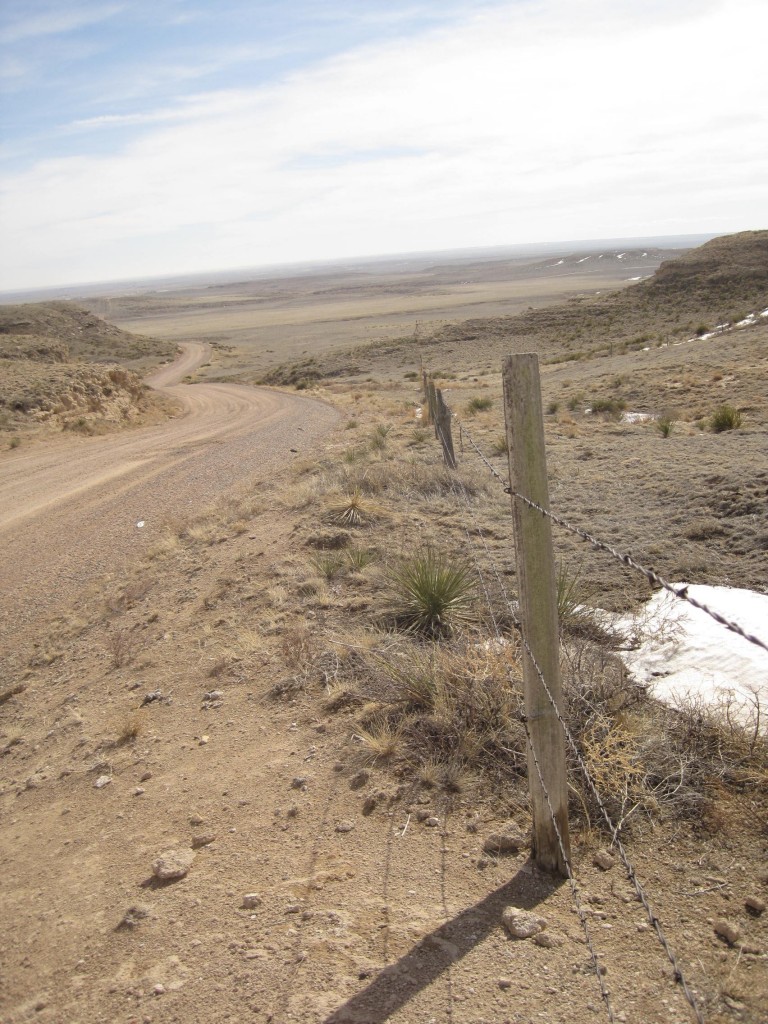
{"points": [[533, 122], [54, 20]]}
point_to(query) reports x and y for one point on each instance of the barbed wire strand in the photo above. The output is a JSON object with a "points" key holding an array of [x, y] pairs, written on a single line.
{"points": [[459, 488], [614, 830], [615, 841], [624, 557]]}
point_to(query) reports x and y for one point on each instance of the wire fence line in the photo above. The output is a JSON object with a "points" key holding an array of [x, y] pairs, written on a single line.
{"points": [[630, 871], [460, 490], [625, 558]]}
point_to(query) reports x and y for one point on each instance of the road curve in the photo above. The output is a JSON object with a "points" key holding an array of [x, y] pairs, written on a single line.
{"points": [[69, 507]]}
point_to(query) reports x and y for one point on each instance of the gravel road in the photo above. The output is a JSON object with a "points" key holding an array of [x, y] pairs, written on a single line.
{"points": [[69, 508]]}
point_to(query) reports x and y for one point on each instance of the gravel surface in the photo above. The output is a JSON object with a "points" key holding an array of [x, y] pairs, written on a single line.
{"points": [[69, 509]]}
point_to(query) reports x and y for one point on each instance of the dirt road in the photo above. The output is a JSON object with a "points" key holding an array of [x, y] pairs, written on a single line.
{"points": [[69, 509]]}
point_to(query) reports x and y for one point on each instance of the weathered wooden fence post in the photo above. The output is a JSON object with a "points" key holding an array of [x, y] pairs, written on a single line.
{"points": [[443, 424], [432, 404], [538, 608]]}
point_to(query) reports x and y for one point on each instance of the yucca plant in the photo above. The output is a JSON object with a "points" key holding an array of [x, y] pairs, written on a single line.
{"points": [[360, 557], [329, 564], [433, 593], [353, 509]]}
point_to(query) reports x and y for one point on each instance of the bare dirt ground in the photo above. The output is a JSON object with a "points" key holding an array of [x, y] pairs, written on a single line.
{"points": [[185, 686]]}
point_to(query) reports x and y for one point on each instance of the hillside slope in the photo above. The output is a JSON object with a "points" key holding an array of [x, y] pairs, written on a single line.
{"points": [[59, 370]]}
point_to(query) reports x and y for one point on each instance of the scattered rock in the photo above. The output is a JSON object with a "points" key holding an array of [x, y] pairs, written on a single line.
{"points": [[522, 924], [755, 905], [102, 781], [547, 940], [213, 700], [251, 901], [369, 805], [195, 819], [159, 989], [202, 839], [138, 791], [152, 697], [359, 779], [172, 864], [146, 777], [727, 930], [504, 984], [202, 741], [432, 822], [345, 826], [299, 782], [133, 915], [511, 840], [603, 860]]}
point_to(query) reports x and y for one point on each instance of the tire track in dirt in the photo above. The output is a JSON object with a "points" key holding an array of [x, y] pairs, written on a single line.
{"points": [[69, 509]]}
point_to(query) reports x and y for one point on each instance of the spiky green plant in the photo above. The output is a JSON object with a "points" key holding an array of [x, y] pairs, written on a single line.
{"points": [[353, 509], [329, 564], [725, 418], [433, 593], [360, 557]]}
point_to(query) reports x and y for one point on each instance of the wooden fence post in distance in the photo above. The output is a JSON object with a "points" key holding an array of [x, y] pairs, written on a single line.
{"points": [[538, 607], [443, 424]]}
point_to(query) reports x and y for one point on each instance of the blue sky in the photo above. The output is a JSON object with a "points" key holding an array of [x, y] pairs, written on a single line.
{"points": [[147, 138]]}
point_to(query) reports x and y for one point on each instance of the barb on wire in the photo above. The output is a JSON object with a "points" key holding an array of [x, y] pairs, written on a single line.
{"points": [[624, 557]]}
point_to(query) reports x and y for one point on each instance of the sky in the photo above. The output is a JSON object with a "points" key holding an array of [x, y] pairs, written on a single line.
{"points": [[146, 138]]}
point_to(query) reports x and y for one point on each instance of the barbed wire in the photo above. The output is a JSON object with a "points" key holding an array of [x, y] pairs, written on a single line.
{"points": [[614, 830], [615, 841], [459, 488], [625, 558]]}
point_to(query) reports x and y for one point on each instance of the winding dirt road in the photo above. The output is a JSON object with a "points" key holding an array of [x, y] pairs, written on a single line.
{"points": [[69, 509]]}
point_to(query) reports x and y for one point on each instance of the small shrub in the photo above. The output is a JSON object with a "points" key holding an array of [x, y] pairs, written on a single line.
{"points": [[725, 418], [130, 729], [359, 558], [608, 406], [14, 442], [350, 424], [329, 564], [412, 375], [499, 445], [664, 425], [121, 645], [433, 593], [575, 401], [478, 404], [552, 408]]}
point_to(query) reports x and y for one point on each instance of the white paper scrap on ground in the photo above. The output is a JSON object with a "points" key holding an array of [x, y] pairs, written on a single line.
{"points": [[686, 654]]}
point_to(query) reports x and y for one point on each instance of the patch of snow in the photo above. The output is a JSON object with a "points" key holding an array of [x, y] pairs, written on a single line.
{"points": [[707, 336], [724, 327], [585, 258], [644, 254], [764, 312], [559, 263], [633, 279], [419, 413], [684, 653], [747, 321], [600, 256], [620, 255], [637, 417]]}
